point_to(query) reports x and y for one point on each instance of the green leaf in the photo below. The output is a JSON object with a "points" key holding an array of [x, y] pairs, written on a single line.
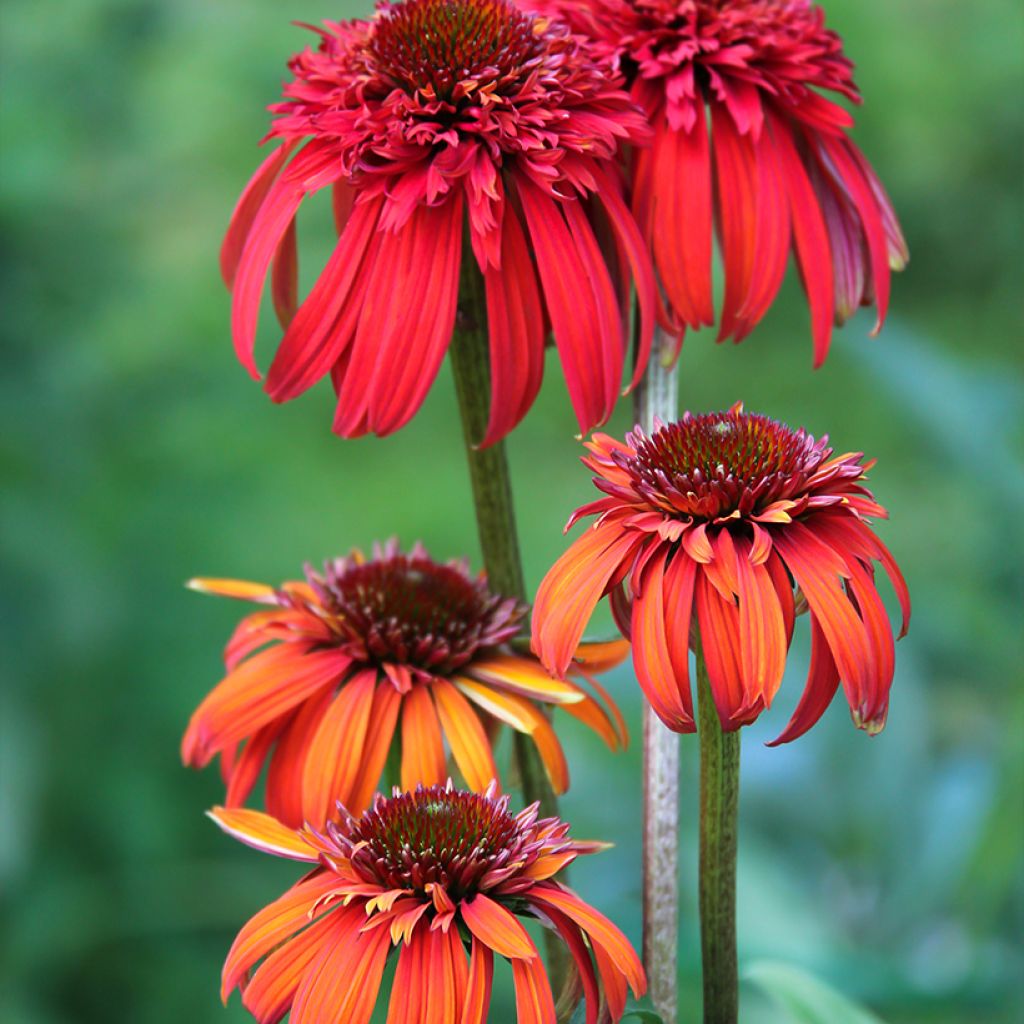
{"points": [[806, 999], [633, 1013]]}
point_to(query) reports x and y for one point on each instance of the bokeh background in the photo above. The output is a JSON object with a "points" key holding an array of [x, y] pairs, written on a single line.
{"points": [[135, 453]]}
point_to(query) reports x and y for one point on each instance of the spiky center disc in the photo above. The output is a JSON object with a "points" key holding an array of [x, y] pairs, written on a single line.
{"points": [[712, 465], [409, 609], [434, 835], [433, 45]]}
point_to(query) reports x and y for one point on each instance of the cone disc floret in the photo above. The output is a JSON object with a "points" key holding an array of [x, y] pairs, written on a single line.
{"points": [[409, 609], [725, 465], [438, 836]]}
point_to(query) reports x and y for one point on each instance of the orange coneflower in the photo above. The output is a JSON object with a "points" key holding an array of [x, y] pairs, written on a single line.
{"points": [[437, 874], [708, 526], [323, 682], [746, 144], [435, 118]]}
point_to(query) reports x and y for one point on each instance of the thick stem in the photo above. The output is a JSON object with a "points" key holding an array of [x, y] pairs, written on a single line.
{"points": [[495, 518], [719, 803], [656, 398]]}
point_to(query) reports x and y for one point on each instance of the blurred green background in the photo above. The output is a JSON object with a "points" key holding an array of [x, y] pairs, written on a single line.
{"points": [[137, 453]]}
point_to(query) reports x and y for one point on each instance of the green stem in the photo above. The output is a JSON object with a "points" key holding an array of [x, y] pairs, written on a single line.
{"points": [[719, 803], [495, 518], [655, 398]]}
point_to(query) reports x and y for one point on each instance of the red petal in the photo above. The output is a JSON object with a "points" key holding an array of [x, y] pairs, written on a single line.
{"points": [[249, 203], [516, 324]]}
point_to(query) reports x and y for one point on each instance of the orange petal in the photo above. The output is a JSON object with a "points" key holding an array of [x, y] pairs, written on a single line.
{"points": [[274, 924], [573, 586], [262, 832], [269, 993], [478, 986], [469, 743], [523, 676], [240, 589], [343, 983], [261, 689], [423, 759], [534, 1002], [493, 925], [599, 930], [599, 656], [380, 734], [335, 752]]}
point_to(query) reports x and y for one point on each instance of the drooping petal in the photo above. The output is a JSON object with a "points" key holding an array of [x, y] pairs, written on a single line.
{"points": [[570, 591], [284, 277], [466, 736], [414, 339], [284, 776], [335, 752], [274, 924], [247, 767], [248, 206], [478, 987], [423, 758], [821, 686], [269, 684], [343, 982], [810, 238], [720, 644], [569, 303], [598, 929], [515, 322], [534, 1002], [848, 172], [269, 993], [380, 735], [311, 345], [681, 219], [736, 213], [651, 658], [498, 929]]}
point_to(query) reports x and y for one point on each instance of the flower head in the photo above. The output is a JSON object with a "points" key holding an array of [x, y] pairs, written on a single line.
{"points": [[438, 874], [707, 527], [323, 680], [776, 171], [433, 113]]}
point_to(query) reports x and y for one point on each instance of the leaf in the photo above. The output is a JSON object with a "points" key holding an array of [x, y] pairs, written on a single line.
{"points": [[633, 1013], [806, 999]]}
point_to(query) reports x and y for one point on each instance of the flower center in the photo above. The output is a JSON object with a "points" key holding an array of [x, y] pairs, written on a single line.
{"points": [[434, 835], [712, 465], [409, 609], [435, 46]]}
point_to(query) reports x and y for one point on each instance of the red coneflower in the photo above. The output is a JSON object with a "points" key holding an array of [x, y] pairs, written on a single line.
{"points": [[321, 681], [432, 115], [435, 873], [775, 170], [708, 525]]}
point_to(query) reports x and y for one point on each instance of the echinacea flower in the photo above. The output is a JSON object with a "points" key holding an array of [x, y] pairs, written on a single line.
{"points": [[775, 170], [435, 874], [434, 119], [708, 526], [339, 668]]}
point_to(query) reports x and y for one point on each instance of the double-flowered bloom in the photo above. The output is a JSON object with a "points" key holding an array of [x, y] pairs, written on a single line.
{"points": [[334, 670], [435, 120], [748, 146], [706, 529], [446, 878]]}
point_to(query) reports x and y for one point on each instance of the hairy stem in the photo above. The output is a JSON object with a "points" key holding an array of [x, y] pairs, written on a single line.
{"points": [[719, 803], [656, 398], [495, 518]]}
